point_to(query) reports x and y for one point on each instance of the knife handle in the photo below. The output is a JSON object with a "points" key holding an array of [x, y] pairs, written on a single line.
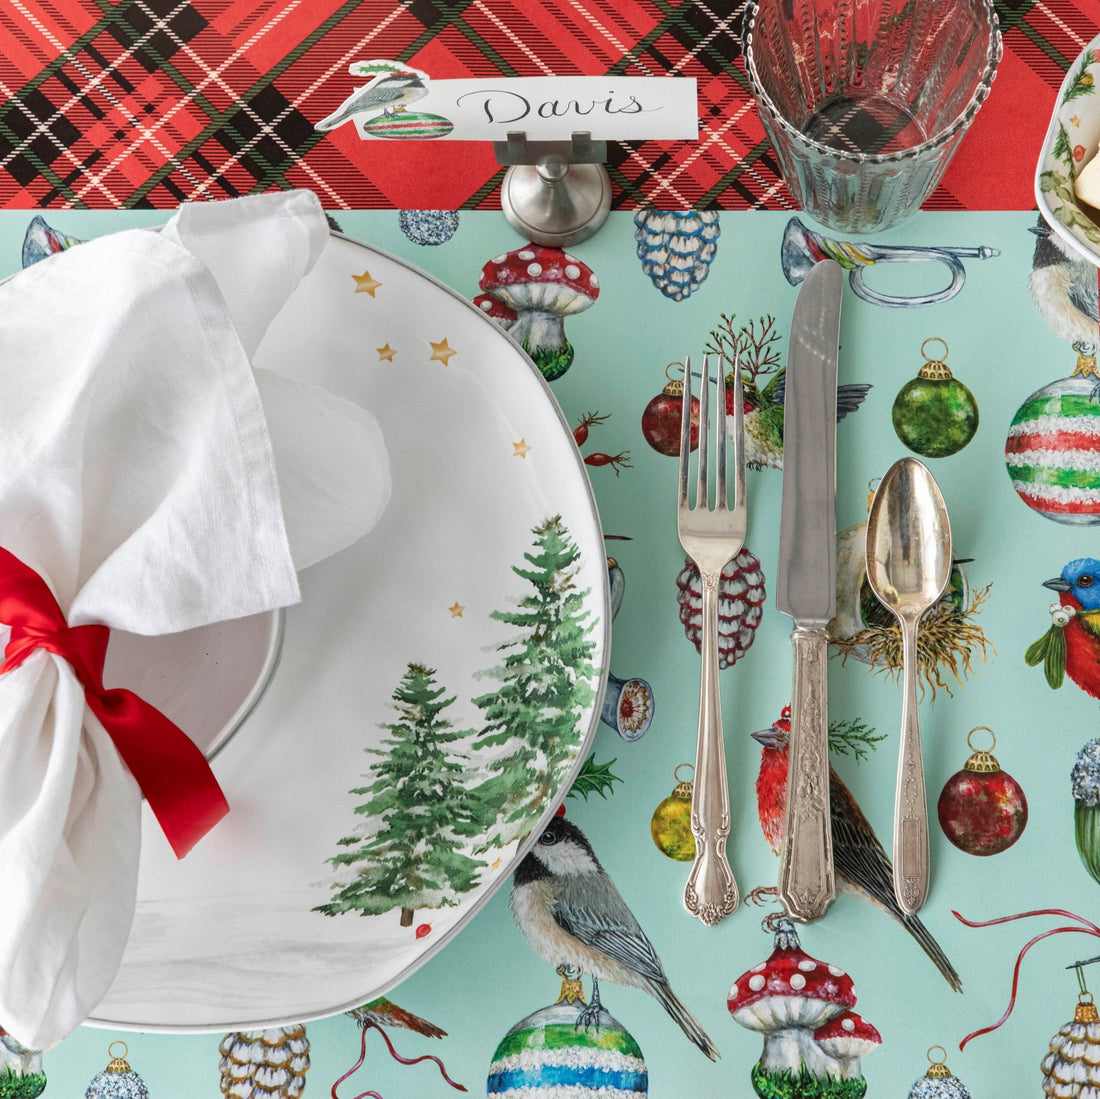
{"points": [[807, 883]]}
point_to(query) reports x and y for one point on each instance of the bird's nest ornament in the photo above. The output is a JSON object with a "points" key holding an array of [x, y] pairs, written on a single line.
{"points": [[814, 1042], [949, 641]]}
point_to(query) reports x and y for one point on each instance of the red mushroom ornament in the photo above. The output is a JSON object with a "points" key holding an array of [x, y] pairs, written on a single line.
{"points": [[788, 998], [847, 1039], [544, 286]]}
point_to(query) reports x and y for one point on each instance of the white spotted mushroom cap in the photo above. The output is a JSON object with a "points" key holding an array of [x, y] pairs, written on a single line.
{"points": [[848, 1035], [790, 989], [543, 278], [495, 309]]}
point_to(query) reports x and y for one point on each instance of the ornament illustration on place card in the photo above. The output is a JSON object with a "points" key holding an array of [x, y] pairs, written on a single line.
{"points": [[118, 1080], [814, 1042], [676, 248], [982, 809], [801, 248], [939, 1082], [542, 286], [863, 867], [934, 414], [380, 108]]}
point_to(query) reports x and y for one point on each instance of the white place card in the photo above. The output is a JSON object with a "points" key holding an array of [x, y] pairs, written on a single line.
{"points": [[390, 100]]}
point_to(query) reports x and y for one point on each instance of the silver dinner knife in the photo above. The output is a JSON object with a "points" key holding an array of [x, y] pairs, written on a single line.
{"points": [[806, 584]]}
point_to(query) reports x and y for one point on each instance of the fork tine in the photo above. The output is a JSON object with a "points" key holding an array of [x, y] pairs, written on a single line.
{"points": [[738, 430], [702, 496], [721, 501], [685, 433]]}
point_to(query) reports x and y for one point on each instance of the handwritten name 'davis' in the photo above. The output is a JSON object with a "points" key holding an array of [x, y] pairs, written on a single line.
{"points": [[503, 106]]}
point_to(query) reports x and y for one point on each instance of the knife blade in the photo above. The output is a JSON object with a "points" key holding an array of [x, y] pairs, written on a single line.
{"points": [[806, 584]]}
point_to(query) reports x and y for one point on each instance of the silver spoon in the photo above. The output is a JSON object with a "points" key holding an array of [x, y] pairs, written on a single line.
{"points": [[908, 567]]}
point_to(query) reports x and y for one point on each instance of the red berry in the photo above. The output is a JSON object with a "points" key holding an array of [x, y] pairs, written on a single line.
{"points": [[423, 929]]}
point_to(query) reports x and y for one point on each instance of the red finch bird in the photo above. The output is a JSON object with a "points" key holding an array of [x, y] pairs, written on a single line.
{"points": [[1079, 588], [862, 866]]}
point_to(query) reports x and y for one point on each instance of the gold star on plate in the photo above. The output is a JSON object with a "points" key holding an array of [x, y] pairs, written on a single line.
{"points": [[456, 609], [364, 284], [441, 352], [1076, 120], [520, 449], [385, 354]]}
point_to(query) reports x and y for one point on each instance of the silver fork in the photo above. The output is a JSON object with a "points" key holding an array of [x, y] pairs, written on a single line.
{"points": [[711, 536]]}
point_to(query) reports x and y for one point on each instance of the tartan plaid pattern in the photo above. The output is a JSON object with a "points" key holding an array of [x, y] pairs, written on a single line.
{"points": [[147, 103]]}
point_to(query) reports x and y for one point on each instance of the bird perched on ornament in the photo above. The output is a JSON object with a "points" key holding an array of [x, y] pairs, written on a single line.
{"points": [[862, 866], [392, 87], [1072, 644], [571, 913]]}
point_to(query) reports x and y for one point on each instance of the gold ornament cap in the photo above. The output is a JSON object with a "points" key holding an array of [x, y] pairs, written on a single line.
{"points": [[938, 1070], [683, 788], [934, 369], [118, 1064], [1085, 1011], [983, 761]]}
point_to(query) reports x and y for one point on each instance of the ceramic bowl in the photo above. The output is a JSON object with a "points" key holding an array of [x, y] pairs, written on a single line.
{"points": [[1071, 142]]}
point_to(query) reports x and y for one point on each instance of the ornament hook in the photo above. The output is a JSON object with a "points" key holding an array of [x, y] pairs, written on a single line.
{"points": [[977, 729], [676, 773]]}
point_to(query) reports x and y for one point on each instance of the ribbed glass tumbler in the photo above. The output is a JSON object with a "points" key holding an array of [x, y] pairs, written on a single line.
{"points": [[866, 101]]}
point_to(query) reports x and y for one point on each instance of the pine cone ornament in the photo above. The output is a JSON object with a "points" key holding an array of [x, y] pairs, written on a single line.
{"points": [[676, 248], [741, 598], [264, 1064], [1071, 1070]]}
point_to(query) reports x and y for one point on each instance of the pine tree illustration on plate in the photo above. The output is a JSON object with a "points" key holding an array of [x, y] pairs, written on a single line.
{"points": [[530, 734], [413, 850]]}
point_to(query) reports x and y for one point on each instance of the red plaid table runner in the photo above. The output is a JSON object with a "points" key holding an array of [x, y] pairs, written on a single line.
{"points": [[148, 103]]}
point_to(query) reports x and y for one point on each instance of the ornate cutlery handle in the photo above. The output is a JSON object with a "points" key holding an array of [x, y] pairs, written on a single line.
{"points": [[807, 882], [911, 871], [711, 892]]}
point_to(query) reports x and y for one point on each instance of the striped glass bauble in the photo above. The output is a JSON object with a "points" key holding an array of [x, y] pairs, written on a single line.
{"points": [[552, 1053], [1053, 450]]}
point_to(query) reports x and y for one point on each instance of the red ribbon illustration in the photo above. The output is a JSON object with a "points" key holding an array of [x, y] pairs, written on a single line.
{"points": [[170, 770]]}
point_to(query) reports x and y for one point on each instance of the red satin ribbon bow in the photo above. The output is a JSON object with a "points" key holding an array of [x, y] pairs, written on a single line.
{"points": [[170, 770]]}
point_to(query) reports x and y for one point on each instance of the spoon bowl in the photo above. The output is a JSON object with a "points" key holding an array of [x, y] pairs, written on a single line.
{"points": [[908, 568]]}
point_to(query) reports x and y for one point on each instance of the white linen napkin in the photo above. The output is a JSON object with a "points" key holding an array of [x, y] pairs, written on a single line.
{"points": [[157, 483]]}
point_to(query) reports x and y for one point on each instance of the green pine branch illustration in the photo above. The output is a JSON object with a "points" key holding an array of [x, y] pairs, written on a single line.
{"points": [[426, 815], [545, 685], [853, 738], [1082, 82]]}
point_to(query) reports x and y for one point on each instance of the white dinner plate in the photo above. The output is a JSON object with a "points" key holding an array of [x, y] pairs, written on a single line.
{"points": [[490, 501]]}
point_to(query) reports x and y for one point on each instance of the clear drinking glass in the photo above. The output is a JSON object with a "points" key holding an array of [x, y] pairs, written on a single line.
{"points": [[866, 101]]}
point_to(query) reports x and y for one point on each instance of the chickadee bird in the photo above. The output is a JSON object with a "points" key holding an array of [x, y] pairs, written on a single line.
{"points": [[386, 93], [573, 916], [1064, 288]]}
